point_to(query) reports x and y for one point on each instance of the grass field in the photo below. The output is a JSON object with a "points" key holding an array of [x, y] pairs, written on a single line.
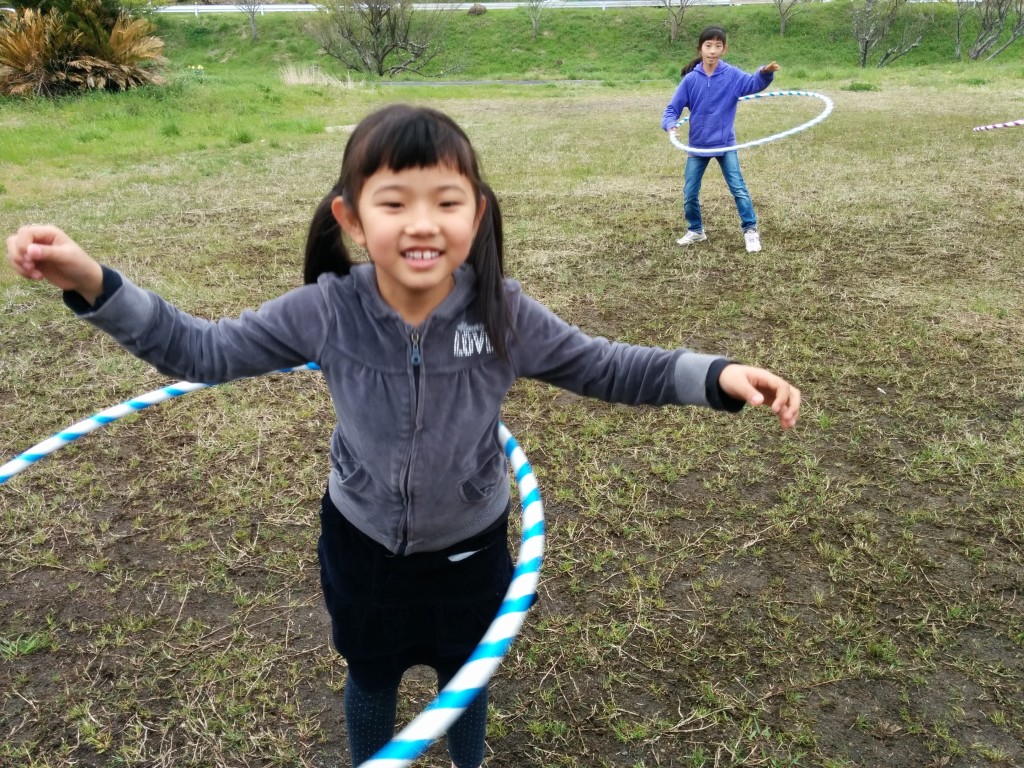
{"points": [[716, 592]]}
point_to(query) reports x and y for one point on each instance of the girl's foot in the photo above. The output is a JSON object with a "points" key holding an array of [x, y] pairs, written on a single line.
{"points": [[753, 240], [691, 237]]}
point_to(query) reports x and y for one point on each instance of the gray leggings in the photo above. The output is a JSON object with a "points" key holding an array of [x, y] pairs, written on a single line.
{"points": [[370, 715]]}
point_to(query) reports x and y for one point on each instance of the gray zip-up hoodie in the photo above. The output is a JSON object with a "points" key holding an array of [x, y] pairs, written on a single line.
{"points": [[415, 458]]}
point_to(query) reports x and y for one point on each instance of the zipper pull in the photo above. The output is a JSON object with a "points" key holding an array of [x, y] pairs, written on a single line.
{"points": [[416, 357]]}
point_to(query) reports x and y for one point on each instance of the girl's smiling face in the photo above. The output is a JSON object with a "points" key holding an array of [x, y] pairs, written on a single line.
{"points": [[418, 226]]}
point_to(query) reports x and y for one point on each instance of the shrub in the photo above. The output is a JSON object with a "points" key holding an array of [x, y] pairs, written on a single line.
{"points": [[49, 53], [476, 9], [36, 50], [125, 59]]}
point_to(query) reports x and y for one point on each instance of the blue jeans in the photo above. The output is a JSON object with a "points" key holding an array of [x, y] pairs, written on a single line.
{"points": [[730, 163]]}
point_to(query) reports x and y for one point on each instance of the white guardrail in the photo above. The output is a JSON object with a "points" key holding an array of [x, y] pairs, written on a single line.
{"points": [[199, 8]]}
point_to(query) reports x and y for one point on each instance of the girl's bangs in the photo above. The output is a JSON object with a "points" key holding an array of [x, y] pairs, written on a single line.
{"points": [[417, 139], [712, 33]]}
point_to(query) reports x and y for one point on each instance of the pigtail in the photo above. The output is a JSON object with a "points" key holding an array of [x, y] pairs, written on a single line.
{"points": [[487, 257], [689, 67], [325, 248]]}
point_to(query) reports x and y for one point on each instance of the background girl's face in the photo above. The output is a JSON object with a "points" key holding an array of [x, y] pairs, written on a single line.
{"points": [[712, 50], [417, 225]]}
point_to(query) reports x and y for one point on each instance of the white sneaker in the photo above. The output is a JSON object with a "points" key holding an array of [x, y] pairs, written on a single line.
{"points": [[691, 237], [753, 240]]}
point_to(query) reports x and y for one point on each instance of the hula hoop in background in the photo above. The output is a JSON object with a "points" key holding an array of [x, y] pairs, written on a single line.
{"points": [[756, 142], [1011, 124], [413, 740]]}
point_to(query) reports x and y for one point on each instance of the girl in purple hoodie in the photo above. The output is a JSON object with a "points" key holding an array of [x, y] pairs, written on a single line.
{"points": [[710, 89]]}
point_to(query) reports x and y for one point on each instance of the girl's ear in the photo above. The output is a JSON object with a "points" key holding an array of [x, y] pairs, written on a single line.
{"points": [[348, 220]]}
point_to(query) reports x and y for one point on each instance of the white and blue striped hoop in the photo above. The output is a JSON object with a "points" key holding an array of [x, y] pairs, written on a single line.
{"points": [[413, 740], [704, 152], [435, 720]]}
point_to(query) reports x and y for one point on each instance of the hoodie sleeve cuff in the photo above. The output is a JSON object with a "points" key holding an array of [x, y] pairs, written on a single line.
{"points": [[717, 397], [77, 303]]}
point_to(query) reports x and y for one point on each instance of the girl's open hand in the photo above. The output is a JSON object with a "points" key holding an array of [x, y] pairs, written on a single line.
{"points": [[773, 67], [757, 386], [42, 252]]}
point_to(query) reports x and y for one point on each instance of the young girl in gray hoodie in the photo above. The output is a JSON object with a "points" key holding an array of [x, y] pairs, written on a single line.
{"points": [[419, 347]]}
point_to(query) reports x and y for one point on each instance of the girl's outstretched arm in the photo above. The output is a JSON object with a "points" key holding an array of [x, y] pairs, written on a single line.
{"points": [[757, 386], [42, 252], [756, 81]]}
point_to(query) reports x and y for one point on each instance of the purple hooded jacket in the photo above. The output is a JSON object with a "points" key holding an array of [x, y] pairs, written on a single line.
{"points": [[712, 101]]}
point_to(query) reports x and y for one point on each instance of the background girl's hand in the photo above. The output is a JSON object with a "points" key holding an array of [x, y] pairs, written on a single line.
{"points": [[773, 67], [757, 386], [46, 253]]}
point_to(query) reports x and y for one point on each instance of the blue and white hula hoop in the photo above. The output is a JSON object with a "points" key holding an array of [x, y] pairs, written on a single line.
{"points": [[1011, 124], [756, 142], [82, 428], [413, 740]]}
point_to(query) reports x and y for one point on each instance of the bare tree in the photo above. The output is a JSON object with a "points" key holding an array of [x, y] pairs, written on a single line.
{"points": [[383, 37], [874, 20], [787, 9], [676, 10], [901, 46], [964, 8], [534, 8], [996, 18], [250, 8]]}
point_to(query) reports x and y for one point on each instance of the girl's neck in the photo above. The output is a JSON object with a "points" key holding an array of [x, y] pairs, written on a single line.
{"points": [[413, 307], [710, 66]]}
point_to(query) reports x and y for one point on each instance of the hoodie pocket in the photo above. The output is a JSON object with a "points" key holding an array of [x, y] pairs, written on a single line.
{"points": [[480, 484], [353, 477]]}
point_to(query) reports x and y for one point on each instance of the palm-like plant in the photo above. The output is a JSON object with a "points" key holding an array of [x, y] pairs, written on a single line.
{"points": [[50, 53], [124, 58], [35, 51]]}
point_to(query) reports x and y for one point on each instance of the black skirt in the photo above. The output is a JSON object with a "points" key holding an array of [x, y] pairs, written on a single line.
{"points": [[390, 612]]}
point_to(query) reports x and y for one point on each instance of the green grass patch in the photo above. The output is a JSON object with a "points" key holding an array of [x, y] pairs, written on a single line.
{"points": [[856, 86]]}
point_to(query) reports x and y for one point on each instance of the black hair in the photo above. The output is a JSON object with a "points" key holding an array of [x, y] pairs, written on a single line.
{"points": [[398, 137], [713, 32]]}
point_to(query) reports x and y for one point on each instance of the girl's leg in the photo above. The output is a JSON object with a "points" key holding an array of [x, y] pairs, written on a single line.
{"points": [[370, 715], [466, 737], [695, 167], [730, 163]]}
